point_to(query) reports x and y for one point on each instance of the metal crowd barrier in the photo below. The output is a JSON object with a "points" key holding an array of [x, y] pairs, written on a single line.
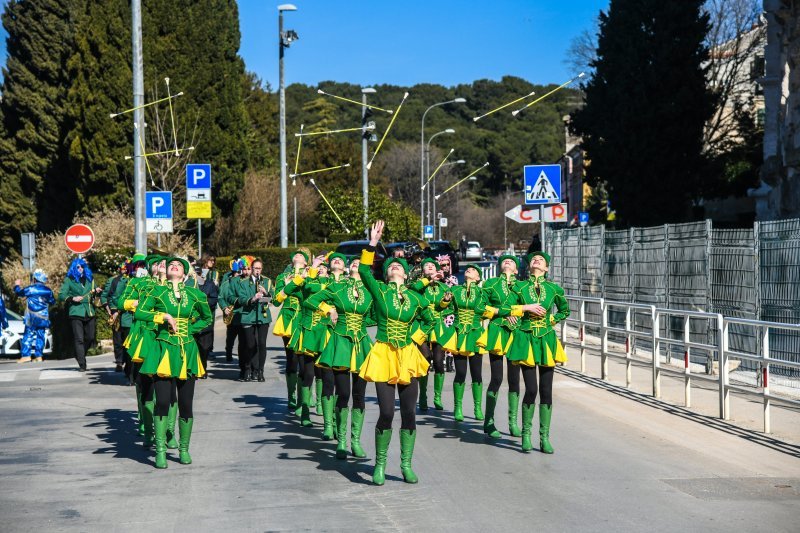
{"points": [[631, 331]]}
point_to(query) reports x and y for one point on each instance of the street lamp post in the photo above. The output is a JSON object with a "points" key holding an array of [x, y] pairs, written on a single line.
{"points": [[422, 162], [428, 170], [365, 135], [284, 40]]}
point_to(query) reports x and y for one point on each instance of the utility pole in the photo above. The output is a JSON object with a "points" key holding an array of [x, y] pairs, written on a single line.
{"points": [[365, 136], [284, 40], [139, 229]]}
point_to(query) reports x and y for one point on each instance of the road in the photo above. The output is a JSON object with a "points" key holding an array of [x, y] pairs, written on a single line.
{"points": [[71, 461]]}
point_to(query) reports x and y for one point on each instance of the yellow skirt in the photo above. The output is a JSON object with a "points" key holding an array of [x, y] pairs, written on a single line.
{"points": [[495, 340], [390, 364], [281, 329]]}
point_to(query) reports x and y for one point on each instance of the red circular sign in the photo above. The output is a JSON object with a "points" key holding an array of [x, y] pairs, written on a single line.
{"points": [[79, 238]]}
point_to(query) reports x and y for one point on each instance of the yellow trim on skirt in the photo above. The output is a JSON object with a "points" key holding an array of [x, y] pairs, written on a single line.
{"points": [[280, 330], [390, 364]]}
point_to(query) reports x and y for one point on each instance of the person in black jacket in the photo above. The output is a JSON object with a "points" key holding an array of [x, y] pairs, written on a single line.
{"points": [[205, 339]]}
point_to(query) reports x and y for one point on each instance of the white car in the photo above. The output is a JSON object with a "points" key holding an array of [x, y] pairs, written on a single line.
{"points": [[11, 338], [474, 251]]}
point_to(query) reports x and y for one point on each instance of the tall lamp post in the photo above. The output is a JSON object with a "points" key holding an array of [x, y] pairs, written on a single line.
{"points": [[428, 170], [284, 40], [365, 136], [422, 162]]}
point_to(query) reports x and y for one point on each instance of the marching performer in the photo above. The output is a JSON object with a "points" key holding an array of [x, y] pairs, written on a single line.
{"points": [[322, 324], [534, 343], [496, 339], [253, 295], [112, 290], [471, 308], [348, 304], [225, 301], [179, 312], [77, 292], [394, 362], [37, 316]]}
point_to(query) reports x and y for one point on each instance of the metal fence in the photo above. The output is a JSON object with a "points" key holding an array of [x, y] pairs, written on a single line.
{"points": [[751, 273]]}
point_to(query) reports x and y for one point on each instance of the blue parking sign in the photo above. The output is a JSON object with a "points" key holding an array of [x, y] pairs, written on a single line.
{"points": [[428, 233], [158, 204], [542, 184], [583, 217], [198, 176]]}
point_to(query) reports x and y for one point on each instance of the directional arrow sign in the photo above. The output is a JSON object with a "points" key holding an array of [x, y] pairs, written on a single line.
{"points": [[552, 213]]}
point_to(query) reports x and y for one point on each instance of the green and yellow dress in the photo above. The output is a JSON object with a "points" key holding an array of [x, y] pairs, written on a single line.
{"points": [[535, 342], [310, 327], [436, 330], [394, 358], [286, 321], [141, 339], [179, 356], [497, 335], [349, 343], [471, 308]]}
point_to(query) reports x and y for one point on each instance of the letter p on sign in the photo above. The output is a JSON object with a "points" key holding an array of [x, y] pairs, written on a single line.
{"points": [[198, 176], [157, 202]]}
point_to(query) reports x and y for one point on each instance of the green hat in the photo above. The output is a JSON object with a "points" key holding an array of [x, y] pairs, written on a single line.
{"points": [[337, 255], [182, 261], [301, 252], [531, 255], [391, 260], [432, 261], [135, 258], [507, 256], [150, 260], [476, 267]]}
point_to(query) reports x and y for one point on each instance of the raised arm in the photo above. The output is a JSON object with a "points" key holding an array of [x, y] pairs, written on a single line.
{"points": [[368, 258]]}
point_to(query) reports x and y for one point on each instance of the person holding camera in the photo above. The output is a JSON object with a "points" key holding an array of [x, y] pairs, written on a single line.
{"points": [[77, 292]]}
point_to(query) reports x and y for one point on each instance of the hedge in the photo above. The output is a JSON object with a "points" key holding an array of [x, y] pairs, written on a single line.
{"points": [[274, 258]]}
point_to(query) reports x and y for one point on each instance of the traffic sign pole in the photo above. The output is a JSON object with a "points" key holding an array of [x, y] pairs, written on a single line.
{"points": [[541, 226]]}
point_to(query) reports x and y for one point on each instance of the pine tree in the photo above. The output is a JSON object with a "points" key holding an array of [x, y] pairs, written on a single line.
{"points": [[646, 105]]}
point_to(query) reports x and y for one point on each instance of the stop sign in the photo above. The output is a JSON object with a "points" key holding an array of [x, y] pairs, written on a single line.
{"points": [[79, 238]]}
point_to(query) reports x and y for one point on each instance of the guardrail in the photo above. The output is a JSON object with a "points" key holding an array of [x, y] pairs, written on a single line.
{"points": [[650, 333]]}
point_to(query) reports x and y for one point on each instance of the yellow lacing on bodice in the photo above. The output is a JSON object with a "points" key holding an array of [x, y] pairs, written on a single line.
{"points": [[539, 323], [182, 326], [294, 301], [353, 321], [465, 316], [316, 316], [396, 330]]}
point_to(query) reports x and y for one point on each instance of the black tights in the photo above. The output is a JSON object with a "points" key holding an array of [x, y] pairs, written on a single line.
{"points": [[408, 404], [496, 367], [544, 388], [434, 354], [328, 383], [475, 363], [342, 378], [307, 364], [166, 394], [292, 359], [145, 384]]}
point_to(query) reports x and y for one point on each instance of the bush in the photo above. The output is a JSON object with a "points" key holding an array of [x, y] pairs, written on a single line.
{"points": [[275, 258]]}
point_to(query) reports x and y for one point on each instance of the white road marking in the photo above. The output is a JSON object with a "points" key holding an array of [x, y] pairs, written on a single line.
{"points": [[59, 374]]}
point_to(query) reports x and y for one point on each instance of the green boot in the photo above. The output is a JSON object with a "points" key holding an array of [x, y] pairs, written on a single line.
{"points": [[291, 390], [185, 425], [438, 385], [527, 425], [147, 414], [545, 413], [318, 390], [477, 400], [305, 406], [458, 399], [299, 409], [140, 408], [488, 425], [341, 429], [160, 423], [382, 440], [327, 417], [355, 433], [172, 415], [423, 393], [513, 409], [407, 438], [334, 403]]}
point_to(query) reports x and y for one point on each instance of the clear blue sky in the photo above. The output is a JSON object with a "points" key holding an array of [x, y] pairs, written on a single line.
{"points": [[404, 42]]}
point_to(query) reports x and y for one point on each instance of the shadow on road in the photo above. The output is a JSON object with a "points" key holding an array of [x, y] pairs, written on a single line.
{"points": [[121, 435], [290, 436], [708, 421], [468, 431], [107, 376]]}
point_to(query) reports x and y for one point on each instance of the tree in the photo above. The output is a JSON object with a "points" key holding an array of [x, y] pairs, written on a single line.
{"points": [[401, 222], [646, 108]]}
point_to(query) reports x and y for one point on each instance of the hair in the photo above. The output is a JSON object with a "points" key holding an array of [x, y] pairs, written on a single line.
{"points": [[206, 257], [73, 270], [257, 260]]}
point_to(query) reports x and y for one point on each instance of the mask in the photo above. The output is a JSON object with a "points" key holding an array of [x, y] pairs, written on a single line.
{"points": [[141, 272]]}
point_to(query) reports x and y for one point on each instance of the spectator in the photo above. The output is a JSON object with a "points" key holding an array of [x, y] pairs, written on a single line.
{"points": [[37, 316]]}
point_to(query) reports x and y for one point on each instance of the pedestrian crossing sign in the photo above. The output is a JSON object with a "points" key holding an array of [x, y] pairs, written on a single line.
{"points": [[542, 184]]}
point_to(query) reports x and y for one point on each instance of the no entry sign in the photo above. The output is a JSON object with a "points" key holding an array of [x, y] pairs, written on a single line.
{"points": [[79, 238]]}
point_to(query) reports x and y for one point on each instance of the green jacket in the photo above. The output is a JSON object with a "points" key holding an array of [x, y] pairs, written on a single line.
{"points": [[227, 292], [351, 300], [70, 289], [495, 292], [110, 299], [252, 313], [547, 295]]}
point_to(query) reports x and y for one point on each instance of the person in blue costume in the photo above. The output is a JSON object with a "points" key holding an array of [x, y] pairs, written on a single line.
{"points": [[37, 316]]}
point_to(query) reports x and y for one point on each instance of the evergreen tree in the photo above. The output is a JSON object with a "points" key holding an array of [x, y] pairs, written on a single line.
{"points": [[646, 105]]}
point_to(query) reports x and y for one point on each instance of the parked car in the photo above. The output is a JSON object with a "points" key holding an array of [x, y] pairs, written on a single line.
{"points": [[441, 248], [474, 251], [352, 249], [12, 337]]}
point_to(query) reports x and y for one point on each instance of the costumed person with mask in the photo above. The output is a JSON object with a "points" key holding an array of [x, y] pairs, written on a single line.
{"points": [[349, 305], [448, 314], [535, 344], [441, 335], [394, 362], [37, 316], [495, 340], [226, 302], [471, 308], [253, 296], [179, 312], [112, 290], [286, 322], [77, 293]]}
